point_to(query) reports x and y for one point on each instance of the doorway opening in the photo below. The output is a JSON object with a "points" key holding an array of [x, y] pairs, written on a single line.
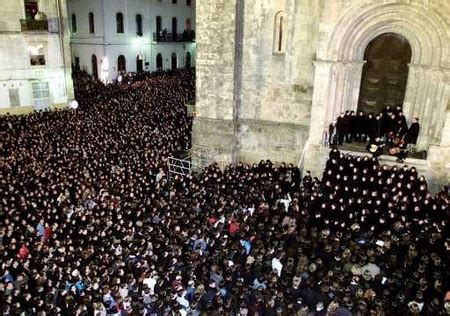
{"points": [[385, 73]]}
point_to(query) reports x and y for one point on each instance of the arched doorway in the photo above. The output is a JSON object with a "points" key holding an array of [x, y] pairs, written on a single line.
{"points": [[188, 60], [174, 61], [121, 64], [159, 62], [385, 73], [139, 64], [94, 67]]}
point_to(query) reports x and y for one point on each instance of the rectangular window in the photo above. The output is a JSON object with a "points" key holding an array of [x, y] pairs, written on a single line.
{"points": [[74, 23], [14, 98], [37, 55], [174, 1], [91, 23], [119, 22], [139, 25], [41, 95], [188, 2]]}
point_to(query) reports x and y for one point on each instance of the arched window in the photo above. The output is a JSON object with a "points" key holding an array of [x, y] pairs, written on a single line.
{"points": [[91, 23], [121, 64], [158, 28], [279, 45], [94, 66], [74, 23], [188, 60], [139, 25], [174, 29], [119, 22], [159, 62], [174, 61]]}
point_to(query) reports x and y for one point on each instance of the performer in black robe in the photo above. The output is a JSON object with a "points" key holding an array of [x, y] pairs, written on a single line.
{"points": [[413, 132]]}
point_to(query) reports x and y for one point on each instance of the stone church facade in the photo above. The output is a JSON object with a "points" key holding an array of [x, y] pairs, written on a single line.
{"points": [[271, 75]]}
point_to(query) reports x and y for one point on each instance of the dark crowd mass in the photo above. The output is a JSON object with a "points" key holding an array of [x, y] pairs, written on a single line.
{"points": [[93, 226]]}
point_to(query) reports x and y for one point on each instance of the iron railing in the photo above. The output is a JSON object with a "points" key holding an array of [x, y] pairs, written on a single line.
{"points": [[34, 25], [174, 37]]}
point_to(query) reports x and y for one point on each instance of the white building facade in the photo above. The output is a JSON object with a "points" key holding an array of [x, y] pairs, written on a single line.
{"points": [[35, 67], [111, 36]]}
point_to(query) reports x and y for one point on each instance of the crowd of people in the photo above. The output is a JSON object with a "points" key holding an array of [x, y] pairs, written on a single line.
{"points": [[92, 226], [385, 129]]}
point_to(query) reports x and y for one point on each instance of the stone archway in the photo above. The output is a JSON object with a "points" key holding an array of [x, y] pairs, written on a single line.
{"points": [[340, 61]]}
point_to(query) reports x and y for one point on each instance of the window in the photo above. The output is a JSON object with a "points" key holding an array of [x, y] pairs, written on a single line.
{"points": [[94, 67], [14, 99], [174, 61], [139, 25], [159, 62], [174, 1], [37, 55], [119, 22], [188, 2], [280, 36], [188, 61], [74, 23], [158, 28], [77, 64], [121, 64], [31, 9], [91, 23], [188, 24], [174, 29], [41, 95]]}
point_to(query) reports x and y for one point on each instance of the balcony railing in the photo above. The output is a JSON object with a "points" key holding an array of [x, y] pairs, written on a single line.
{"points": [[34, 25], [174, 37]]}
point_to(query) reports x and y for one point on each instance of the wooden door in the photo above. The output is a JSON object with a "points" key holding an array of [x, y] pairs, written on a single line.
{"points": [[385, 73]]}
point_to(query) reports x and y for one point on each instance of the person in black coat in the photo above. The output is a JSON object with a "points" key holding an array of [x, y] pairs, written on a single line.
{"points": [[352, 127], [361, 129], [413, 132], [341, 128], [375, 127], [347, 126]]}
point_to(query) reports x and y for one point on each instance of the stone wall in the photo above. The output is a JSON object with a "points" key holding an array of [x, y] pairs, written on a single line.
{"points": [[287, 98], [275, 94]]}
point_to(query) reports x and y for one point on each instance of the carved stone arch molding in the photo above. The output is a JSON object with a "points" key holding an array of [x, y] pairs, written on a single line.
{"points": [[340, 59]]}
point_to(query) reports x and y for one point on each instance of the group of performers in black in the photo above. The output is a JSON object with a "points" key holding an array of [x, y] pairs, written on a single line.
{"points": [[387, 129]]}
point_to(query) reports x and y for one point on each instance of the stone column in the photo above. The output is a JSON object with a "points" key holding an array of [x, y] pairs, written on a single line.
{"points": [[426, 98], [354, 70], [324, 85], [336, 89]]}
